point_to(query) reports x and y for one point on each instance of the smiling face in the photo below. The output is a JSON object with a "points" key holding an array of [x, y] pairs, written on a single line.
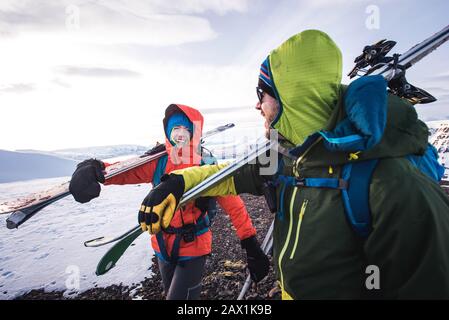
{"points": [[180, 136], [269, 108], [180, 153]]}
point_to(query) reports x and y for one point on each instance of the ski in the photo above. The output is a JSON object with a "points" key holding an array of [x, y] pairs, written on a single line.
{"points": [[24, 208], [374, 61], [36, 202], [391, 68], [109, 260], [215, 131], [101, 241]]}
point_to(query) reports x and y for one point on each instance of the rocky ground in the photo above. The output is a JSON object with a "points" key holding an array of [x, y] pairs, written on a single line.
{"points": [[224, 273], [225, 269]]}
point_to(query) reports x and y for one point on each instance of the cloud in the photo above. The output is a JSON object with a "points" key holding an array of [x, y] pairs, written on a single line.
{"points": [[225, 110], [155, 23], [61, 83], [97, 72], [17, 88], [220, 7], [436, 89], [435, 110], [443, 97], [441, 77]]}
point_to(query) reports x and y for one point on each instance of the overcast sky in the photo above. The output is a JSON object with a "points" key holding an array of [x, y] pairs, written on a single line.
{"points": [[85, 73]]}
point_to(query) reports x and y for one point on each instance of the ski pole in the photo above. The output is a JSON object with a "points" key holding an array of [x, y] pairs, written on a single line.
{"points": [[24, 208], [266, 247]]}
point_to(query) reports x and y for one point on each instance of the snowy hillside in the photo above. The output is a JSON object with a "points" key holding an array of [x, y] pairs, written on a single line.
{"points": [[440, 140], [100, 152], [48, 252], [24, 165], [18, 166]]}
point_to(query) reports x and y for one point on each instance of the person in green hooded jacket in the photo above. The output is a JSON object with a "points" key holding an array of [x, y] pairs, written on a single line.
{"points": [[402, 253]]}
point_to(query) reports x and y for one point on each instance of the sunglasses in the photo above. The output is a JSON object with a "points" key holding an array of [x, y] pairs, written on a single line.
{"points": [[260, 94]]}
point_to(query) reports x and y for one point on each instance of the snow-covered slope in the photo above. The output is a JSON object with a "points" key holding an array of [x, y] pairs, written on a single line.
{"points": [[17, 166], [440, 140], [48, 252]]}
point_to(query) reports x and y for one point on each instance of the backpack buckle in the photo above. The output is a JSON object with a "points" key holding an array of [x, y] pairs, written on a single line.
{"points": [[188, 232], [343, 184]]}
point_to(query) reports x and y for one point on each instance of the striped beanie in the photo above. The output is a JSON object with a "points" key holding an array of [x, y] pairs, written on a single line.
{"points": [[265, 81]]}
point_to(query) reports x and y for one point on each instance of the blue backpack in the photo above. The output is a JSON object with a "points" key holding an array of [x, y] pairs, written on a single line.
{"points": [[355, 183], [366, 106], [359, 174]]}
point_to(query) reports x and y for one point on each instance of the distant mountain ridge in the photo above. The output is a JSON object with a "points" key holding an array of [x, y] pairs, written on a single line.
{"points": [[99, 152], [439, 138], [20, 166], [34, 164]]}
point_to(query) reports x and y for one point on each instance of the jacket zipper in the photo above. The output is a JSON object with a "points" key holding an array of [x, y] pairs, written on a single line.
{"points": [[287, 240], [290, 227], [298, 228]]}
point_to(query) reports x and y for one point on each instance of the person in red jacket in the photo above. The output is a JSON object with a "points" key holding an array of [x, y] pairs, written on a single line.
{"points": [[182, 246]]}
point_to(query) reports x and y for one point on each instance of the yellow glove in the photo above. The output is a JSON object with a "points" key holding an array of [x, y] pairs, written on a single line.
{"points": [[159, 206]]}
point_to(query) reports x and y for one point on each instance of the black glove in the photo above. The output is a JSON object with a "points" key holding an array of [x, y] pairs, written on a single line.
{"points": [[258, 263], [159, 147], [84, 185], [160, 204]]}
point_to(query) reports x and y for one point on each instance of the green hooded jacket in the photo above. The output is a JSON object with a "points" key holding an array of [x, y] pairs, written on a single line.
{"points": [[317, 254]]}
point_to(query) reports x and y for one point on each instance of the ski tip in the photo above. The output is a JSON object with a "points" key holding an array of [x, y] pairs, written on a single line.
{"points": [[11, 225], [101, 271], [93, 242], [98, 242], [15, 219]]}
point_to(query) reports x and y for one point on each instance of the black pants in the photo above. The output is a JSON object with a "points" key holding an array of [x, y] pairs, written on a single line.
{"points": [[182, 281]]}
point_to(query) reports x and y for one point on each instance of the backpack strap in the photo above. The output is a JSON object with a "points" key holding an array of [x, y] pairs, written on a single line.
{"points": [[356, 195], [186, 232], [160, 170], [190, 230], [283, 181], [354, 185]]}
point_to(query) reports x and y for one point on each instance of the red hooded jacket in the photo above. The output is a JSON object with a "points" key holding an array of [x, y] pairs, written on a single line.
{"points": [[232, 205]]}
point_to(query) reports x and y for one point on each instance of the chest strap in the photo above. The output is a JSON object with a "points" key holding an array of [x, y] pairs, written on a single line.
{"points": [[354, 185], [188, 232]]}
